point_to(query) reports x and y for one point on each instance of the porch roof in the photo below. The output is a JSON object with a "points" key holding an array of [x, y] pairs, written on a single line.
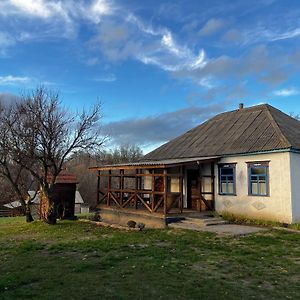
{"points": [[155, 164]]}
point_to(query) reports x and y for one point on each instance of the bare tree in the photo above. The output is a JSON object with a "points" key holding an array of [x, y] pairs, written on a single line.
{"points": [[12, 173], [42, 135]]}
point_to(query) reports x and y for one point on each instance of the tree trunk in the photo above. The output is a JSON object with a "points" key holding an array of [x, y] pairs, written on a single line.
{"points": [[51, 214], [29, 217], [48, 207]]}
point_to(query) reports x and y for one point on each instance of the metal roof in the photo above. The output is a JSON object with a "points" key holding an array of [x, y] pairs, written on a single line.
{"points": [[156, 163], [259, 128]]}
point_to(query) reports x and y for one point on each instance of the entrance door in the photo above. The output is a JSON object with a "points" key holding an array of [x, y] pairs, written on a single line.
{"points": [[195, 199], [193, 189]]}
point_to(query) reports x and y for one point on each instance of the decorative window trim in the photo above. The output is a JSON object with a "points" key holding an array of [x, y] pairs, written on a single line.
{"points": [[264, 164], [229, 165]]}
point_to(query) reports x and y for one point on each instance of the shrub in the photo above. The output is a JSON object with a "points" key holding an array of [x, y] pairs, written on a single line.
{"points": [[140, 225], [131, 224]]}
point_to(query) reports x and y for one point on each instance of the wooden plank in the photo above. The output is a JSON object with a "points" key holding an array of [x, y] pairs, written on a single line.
{"points": [[129, 200], [115, 199], [98, 187], [165, 192], [181, 189], [109, 188], [145, 204]]}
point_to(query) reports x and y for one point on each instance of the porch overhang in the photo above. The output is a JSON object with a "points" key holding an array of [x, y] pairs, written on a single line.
{"points": [[157, 164]]}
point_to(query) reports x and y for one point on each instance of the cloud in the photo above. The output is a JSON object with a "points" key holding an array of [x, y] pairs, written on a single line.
{"points": [[34, 8], [131, 38], [211, 27], [12, 80], [56, 18], [159, 128], [286, 92]]}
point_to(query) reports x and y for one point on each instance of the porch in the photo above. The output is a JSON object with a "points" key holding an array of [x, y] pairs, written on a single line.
{"points": [[158, 188]]}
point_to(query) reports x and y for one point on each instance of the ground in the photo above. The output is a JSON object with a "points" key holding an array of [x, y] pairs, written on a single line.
{"points": [[75, 260]]}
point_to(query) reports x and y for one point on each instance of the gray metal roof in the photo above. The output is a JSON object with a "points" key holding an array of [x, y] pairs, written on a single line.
{"points": [[256, 129], [158, 163]]}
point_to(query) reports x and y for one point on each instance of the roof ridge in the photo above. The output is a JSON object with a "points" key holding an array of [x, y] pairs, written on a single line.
{"points": [[276, 126]]}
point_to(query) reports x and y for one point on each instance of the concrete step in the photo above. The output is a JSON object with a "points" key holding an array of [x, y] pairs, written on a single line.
{"points": [[204, 221]]}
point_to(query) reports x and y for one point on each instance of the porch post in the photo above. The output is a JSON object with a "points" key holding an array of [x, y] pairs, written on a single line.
{"points": [[165, 192], [109, 188], [136, 187], [153, 189], [98, 187], [181, 189], [121, 185], [212, 169]]}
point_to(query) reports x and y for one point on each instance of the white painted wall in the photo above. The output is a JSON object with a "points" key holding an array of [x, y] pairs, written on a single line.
{"points": [[278, 205], [295, 180]]}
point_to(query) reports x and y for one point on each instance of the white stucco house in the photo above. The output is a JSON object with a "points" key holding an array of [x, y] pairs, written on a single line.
{"points": [[245, 162]]}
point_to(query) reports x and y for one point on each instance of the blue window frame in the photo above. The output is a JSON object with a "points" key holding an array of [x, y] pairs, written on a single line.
{"points": [[227, 179], [258, 174]]}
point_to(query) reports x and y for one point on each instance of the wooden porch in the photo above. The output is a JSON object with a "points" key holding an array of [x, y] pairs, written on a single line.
{"points": [[166, 188]]}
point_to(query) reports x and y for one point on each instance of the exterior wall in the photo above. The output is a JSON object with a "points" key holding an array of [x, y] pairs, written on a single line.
{"points": [[295, 179], [277, 206]]}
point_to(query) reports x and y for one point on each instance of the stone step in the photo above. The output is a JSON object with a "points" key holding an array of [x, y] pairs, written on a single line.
{"points": [[204, 221]]}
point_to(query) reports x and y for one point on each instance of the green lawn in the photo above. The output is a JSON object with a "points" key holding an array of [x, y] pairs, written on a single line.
{"points": [[75, 260]]}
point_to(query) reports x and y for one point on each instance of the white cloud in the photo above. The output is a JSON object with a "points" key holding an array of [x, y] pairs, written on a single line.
{"points": [[286, 92], [12, 80], [100, 8], [132, 38], [33, 8]]}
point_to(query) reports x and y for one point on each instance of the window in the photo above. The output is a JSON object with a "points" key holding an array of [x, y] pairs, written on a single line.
{"points": [[227, 179], [173, 185], [258, 179]]}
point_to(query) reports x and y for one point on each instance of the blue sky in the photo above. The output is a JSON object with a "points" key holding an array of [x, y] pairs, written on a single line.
{"points": [[159, 67]]}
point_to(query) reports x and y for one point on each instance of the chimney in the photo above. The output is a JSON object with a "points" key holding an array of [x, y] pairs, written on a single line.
{"points": [[241, 106]]}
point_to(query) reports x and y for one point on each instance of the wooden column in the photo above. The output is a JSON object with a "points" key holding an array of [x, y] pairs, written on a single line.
{"points": [[136, 187], [165, 192], [212, 169], [98, 188], [181, 189], [153, 189], [109, 187], [121, 184]]}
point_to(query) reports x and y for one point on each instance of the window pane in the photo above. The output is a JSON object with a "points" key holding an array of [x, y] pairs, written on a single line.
{"points": [[263, 188], [230, 178], [226, 171], [262, 178], [223, 187], [254, 188], [230, 188], [258, 170], [174, 185]]}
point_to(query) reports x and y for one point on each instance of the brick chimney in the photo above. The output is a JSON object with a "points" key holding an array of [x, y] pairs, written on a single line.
{"points": [[241, 106]]}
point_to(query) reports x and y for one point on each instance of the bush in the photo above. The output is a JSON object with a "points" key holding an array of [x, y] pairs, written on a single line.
{"points": [[140, 225], [131, 224], [96, 217]]}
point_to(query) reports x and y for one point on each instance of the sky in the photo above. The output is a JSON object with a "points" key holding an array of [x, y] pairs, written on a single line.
{"points": [[158, 67]]}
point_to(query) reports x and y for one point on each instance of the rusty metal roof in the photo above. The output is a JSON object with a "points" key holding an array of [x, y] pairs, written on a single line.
{"points": [[256, 129]]}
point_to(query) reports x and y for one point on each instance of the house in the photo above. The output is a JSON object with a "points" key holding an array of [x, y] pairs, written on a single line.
{"points": [[245, 162]]}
